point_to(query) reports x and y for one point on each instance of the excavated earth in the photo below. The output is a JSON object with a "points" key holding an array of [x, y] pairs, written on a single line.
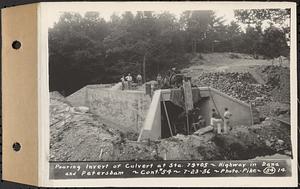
{"points": [[78, 135]]}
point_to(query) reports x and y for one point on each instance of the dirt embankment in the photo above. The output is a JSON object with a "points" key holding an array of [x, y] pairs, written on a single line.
{"points": [[77, 135], [278, 78], [227, 62]]}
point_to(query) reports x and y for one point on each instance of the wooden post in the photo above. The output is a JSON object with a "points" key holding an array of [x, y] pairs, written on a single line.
{"points": [[194, 46], [251, 114], [144, 68], [175, 130], [187, 123], [194, 127], [169, 124], [148, 89]]}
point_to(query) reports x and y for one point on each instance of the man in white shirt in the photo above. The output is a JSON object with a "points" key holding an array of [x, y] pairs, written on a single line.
{"points": [[129, 80], [227, 115], [139, 79], [216, 121]]}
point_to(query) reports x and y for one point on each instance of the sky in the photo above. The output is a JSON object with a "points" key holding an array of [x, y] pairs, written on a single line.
{"points": [[227, 15], [106, 9]]}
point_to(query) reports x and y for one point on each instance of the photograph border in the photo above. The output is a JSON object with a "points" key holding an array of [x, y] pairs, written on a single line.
{"points": [[43, 100]]}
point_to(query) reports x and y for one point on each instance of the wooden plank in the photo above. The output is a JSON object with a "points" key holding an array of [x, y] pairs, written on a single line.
{"points": [[167, 115]]}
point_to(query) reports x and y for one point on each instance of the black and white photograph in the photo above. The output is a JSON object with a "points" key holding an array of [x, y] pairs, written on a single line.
{"points": [[169, 85], [149, 94]]}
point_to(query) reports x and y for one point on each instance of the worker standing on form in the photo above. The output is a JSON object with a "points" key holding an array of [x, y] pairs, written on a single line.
{"points": [[227, 115], [139, 79], [159, 80], [129, 81]]}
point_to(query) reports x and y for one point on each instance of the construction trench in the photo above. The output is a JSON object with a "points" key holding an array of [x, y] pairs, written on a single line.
{"points": [[108, 124]]}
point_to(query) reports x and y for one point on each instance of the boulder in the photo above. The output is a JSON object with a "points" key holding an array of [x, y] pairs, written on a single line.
{"points": [[280, 142], [204, 130], [82, 109]]}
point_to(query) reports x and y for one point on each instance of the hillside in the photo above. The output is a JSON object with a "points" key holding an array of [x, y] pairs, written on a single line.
{"points": [[227, 62], [263, 83]]}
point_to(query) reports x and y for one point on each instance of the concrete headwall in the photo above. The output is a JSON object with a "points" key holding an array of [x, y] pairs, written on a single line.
{"points": [[124, 108], [152, 125], [213, 98], [129, 109], [79, 97], [241, 112]]}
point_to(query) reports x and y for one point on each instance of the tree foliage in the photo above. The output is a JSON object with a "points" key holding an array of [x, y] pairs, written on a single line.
{"points": [[258, 16], [274, 43], [86, 49]]}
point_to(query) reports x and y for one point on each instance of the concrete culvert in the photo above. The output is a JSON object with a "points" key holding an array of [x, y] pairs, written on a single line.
{"points": [[177, 120]]}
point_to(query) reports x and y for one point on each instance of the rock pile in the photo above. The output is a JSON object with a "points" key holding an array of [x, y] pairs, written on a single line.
{"points": [[238, 85]]}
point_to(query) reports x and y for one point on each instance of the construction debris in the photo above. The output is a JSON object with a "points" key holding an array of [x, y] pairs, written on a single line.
{"points": [[86, 137], [78, 135]]}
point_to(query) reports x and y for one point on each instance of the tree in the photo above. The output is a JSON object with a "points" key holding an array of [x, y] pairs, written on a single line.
{"points": [[252, 40], [153, 38], [271, 41], [75, 50], [86, 49], [200, 27], [274, 43], [258, 16], [234, 37]]}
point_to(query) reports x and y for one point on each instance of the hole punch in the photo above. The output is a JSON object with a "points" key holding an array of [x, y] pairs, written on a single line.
{"points": [[16, 45], [16, 146]]}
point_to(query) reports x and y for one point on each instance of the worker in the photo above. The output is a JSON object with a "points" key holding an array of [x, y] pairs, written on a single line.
{"points": [[181, 123], [139, 79], [200, 123], [216, 120], [227, 115], [172, 72], [175, 71], [129, 81], [165, 82], [123, 82], [159, 80]]}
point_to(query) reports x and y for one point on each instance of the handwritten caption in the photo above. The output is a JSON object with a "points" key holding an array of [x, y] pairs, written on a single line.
{"points": [[82, 170]]}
